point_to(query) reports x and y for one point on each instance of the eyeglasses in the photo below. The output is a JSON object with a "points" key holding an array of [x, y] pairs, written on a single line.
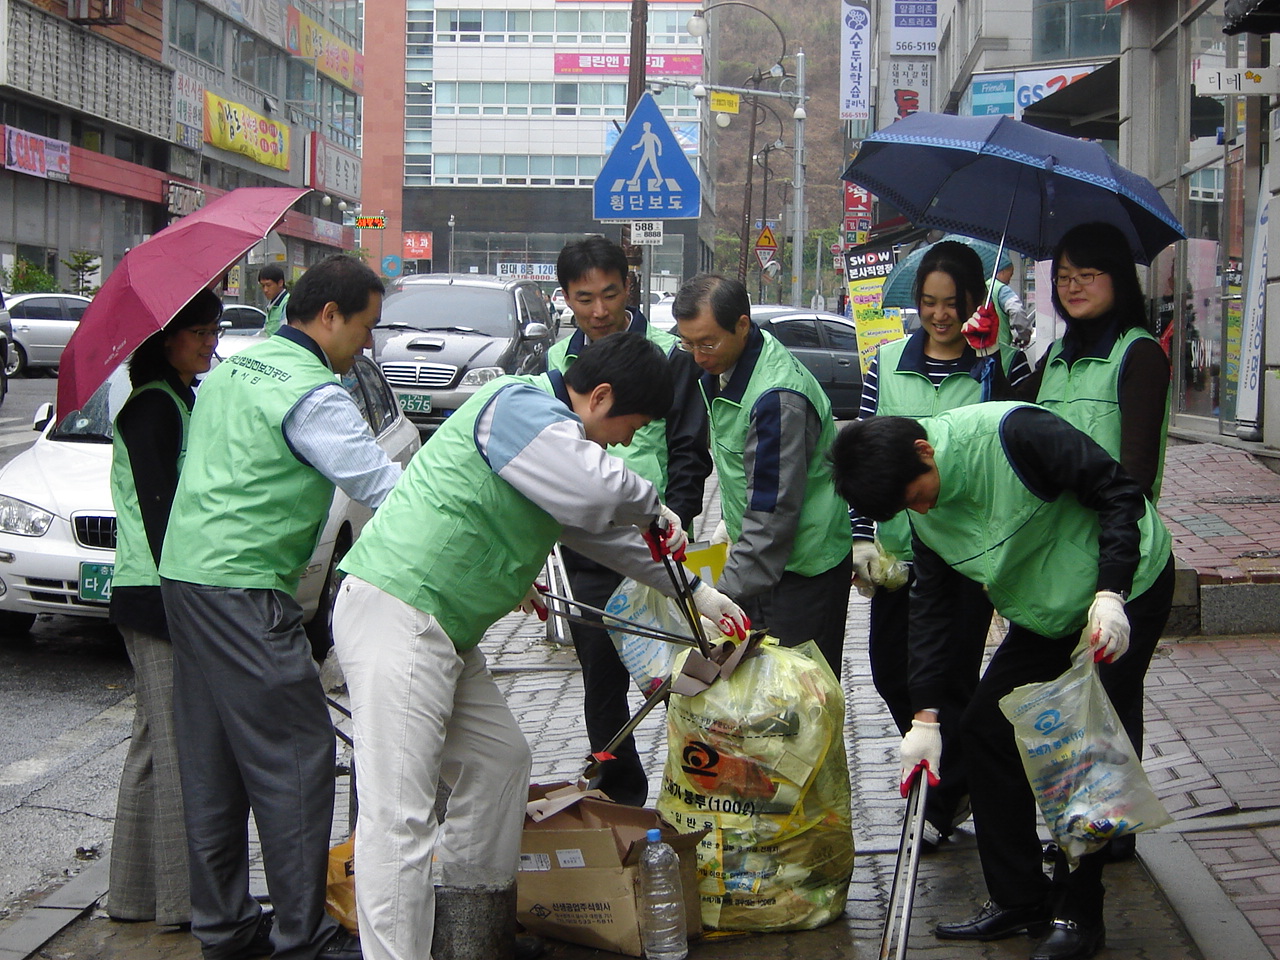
{"points": [[1083, 279], [707, 348], [205, 333]]}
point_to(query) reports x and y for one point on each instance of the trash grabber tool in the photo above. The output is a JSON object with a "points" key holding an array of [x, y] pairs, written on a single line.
{"points": [[616, 622], [598, 758], [684, 592], [904, 875]]}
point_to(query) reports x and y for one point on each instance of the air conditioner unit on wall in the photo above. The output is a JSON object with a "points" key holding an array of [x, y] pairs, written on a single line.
{"points": [[100, 13]]}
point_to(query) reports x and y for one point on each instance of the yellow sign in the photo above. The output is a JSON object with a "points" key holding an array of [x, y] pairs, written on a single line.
{"points": [[766, 240], [233, 126], [333, 57], [874, 328], [722, 102]]}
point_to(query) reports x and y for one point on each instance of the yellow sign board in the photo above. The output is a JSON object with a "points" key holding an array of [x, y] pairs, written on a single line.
{"points": [[233, 126], [873, 326], [333, 57], [722, 102], [766, 240]]}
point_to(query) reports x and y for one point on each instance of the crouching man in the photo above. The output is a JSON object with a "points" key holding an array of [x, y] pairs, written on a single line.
{"points": [[1016, 499], [454, 547]]}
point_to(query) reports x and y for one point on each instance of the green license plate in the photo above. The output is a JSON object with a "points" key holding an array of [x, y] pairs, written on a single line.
{"points": [[95, 582], [415, 402]]}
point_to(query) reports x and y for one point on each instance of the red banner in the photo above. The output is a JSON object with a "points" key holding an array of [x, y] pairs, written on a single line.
{"points": [[417, 245]]}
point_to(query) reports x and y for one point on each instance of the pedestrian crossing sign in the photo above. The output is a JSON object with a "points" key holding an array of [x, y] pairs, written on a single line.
{"points": [[647, 175]]}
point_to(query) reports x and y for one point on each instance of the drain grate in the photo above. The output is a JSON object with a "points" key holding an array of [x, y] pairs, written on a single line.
{"points": [[1258, 555], [1250, 498]]}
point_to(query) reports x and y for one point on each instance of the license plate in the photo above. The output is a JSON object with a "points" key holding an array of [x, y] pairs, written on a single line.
{"points": [[95, 582], [415, 402]]}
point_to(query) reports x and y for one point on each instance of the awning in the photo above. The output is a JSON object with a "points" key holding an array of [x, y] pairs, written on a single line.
{"points": [[1251, 16], [1088, 108]]}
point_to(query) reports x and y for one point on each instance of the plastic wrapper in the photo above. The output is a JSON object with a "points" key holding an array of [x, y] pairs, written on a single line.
{"points": [[1083, 770], [340, 885], [894, 574], [758, 760], [649, 661]]}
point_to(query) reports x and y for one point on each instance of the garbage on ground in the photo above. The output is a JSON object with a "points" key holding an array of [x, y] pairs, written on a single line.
{"points": [[757, 762], [579, 869]]}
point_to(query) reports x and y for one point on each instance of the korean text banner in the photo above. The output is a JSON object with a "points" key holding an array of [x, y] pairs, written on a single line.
{"points": [[333, 57], [36, 156], [619, 64], [233, 126], [855, 61]]}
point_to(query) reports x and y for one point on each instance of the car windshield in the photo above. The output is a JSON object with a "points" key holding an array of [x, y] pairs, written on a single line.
{"points": [[488, 312], [92, 422]]}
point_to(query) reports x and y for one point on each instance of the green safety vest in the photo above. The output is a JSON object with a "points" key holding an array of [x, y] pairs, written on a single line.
{"points": [[822, 536], [910, 393], [276, 315], [1005, 336], [648, 454], [1086, 394], [134, 566], [248, 513], [453, 539], [1038, 559]]}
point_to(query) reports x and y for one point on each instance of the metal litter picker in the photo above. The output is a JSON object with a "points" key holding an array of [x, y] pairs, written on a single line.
{"points": [[905, 870]]}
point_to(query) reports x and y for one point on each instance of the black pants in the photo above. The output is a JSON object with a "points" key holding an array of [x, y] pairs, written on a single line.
{"points": [[1004, 808], [807, 608], [887, 647], [605, 682]]}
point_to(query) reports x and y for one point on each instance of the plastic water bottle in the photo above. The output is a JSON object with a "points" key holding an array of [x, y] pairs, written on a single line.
{"points": [[662, 927]]}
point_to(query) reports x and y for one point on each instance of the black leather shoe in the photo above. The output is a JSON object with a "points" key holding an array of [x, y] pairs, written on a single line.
{"points": [[1069, 940], [260, 945], [341, 946], [994, 922]]}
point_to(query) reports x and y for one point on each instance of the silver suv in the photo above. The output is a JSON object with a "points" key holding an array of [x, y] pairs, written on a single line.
{"points": [[443, 336], [6, 339]]}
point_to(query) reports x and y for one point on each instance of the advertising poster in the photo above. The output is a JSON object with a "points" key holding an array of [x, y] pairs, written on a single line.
{"points": [[233, 126], [909, 91], [855, 61], [915, 28], [188, 111], [619, 64], [874, 326], [36, 156], [335, 58]]}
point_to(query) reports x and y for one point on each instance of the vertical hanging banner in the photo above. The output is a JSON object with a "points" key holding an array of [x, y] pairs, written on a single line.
{"points": [[915, 28], [909, 90], [1249, 394], [856, 44]]}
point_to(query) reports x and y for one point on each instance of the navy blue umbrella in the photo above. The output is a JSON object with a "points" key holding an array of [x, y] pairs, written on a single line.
{"points": [[1001, 180]]}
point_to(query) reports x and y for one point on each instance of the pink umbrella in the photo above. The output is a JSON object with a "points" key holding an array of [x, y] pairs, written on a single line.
{"points": [[158, 278]]}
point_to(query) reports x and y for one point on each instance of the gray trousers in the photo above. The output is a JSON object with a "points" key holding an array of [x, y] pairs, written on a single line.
{"points": [[253, 733], [149, 849]]}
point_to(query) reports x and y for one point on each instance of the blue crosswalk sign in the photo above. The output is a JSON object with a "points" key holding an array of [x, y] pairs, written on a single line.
{"points": [[647, 175]]}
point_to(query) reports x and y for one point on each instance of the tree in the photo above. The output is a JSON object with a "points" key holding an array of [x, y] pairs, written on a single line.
{"points": [[82, 264], [27, 277]]}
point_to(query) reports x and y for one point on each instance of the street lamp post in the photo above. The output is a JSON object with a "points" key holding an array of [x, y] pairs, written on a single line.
{"points": [[797, 209], [452, 221]]}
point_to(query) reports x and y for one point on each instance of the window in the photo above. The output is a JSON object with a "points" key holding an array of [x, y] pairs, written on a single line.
{"points": [[195, 29], [841, 336], [796, 333], [254, 60], [1062, 29], [37, 308]]}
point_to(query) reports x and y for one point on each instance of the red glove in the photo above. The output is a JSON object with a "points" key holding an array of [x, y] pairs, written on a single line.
{"points": [[982, 330], [666, 536]]}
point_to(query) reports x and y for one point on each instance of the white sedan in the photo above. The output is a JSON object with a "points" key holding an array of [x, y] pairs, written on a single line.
{"points": [[58, 526]]}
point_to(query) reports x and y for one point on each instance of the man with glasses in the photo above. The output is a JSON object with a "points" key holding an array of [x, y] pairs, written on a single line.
{"points": [[789, 562], [671, 453]]}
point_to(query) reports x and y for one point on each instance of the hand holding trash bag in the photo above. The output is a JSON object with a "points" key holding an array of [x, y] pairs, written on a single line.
{"points": [[921, 747], [868, 570], [1108, 629], [982, 330], [673, 537], [718, 608]]}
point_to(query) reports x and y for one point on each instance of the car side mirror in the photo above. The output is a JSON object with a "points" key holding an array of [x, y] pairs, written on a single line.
{"points": [[44, 413], [535, 331]]}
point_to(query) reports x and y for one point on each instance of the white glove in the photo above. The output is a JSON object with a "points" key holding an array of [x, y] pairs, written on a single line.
{"points": [[532, 603], [868, 568], [921, 747], [1108, 627], [719, 609], [677, 539], [721, 534]]}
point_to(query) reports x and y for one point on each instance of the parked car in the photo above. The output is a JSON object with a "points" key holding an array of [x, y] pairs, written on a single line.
{"points": [[58, 526], [443, 336], [827, 344], [242, 319], [42, 325], [6, 346]]}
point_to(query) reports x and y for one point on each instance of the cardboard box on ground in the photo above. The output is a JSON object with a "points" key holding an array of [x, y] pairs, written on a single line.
{"points": [[579, 876]]}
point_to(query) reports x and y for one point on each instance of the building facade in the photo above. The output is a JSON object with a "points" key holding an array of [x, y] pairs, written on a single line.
{"points": [[126, 115], [484, 141]]}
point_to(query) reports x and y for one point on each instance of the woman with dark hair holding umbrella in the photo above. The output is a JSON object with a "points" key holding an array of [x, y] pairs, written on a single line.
{"points": [[149, 878]]}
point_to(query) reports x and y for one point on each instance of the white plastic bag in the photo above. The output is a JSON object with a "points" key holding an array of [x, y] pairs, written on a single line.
{"points": [[649, 661]]}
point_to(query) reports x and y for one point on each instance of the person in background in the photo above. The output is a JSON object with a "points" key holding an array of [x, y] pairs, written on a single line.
{"points": [[148, 877], [670, 452], [271, 280], [932, 370], [1015, 328], [771, 428], [1070, 551], [272, 436]]}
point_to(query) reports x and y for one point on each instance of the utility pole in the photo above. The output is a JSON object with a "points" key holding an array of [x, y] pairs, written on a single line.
{"points": [[635, 90], [797, 215]]}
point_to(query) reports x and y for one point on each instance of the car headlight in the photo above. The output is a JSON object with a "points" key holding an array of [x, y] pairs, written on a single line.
{"points": [[480, 376], [22, 518]]}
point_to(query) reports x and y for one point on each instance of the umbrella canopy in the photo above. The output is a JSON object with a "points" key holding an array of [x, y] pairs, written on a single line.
{"points": [[997, 179], [158, 278], [899, 286]]}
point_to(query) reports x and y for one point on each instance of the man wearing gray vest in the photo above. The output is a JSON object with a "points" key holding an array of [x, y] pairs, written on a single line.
{"points": [[274, 433]]}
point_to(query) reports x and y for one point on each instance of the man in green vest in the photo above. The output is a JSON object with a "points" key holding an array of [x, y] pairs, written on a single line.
{"points": [[1069, 550], [771, 428], [454, 547], [273, 434], [271, 280], [670, 452]]}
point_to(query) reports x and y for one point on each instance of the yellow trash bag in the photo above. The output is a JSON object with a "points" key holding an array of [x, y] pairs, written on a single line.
{"points": [[758, 760], [340, 890]]}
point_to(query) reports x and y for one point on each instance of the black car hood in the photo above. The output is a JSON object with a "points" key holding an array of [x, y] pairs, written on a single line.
{"points": [[463, 350]]}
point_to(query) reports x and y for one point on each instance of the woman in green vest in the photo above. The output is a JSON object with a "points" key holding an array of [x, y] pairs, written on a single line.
{"points": [[149, 851], [1107, 376]]}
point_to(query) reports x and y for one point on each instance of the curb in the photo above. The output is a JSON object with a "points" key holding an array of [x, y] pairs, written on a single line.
{"points": [[63, 907]]}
